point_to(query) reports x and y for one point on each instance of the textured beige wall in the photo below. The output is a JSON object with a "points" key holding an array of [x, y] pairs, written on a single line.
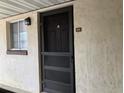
{"points": [[98, 48], [16, 70]]}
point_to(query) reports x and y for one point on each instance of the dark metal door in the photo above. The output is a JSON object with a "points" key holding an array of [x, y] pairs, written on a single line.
{"points": [[57, 51]]}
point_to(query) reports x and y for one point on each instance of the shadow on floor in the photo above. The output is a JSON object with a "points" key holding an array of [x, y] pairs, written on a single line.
{"points": [[5, 91]]}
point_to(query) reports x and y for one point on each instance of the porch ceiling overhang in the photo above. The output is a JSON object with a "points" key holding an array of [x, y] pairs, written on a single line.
{"points": [[14, 7]]}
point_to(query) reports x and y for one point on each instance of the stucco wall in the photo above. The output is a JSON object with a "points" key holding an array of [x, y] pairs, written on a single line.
{"points": [[98, 48], [17, 70]]}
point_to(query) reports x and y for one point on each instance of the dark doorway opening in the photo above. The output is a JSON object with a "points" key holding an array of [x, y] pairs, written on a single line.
{"points": [[57, 51]]}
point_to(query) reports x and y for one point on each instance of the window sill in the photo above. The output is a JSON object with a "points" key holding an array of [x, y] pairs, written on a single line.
{"points": [[17, 52]]}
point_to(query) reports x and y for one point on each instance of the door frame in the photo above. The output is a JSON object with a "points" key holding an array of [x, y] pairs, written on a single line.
{"points": [[40, 35]]}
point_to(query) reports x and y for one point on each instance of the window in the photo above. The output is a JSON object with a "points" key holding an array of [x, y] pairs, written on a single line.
{"points": [[18, 38], [18, 34]]}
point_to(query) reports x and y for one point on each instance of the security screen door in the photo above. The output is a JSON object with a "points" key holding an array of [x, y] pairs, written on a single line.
{"points": [[57, 51]]}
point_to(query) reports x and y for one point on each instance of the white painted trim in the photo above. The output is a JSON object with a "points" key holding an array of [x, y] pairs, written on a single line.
{"points": [[66, 4]]}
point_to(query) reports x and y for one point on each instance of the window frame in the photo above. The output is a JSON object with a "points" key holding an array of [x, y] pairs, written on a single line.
{"points": [[15, 51]]}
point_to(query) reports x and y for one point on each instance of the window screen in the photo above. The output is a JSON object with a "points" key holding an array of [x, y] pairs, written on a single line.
{"points": [[18, 35]]}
